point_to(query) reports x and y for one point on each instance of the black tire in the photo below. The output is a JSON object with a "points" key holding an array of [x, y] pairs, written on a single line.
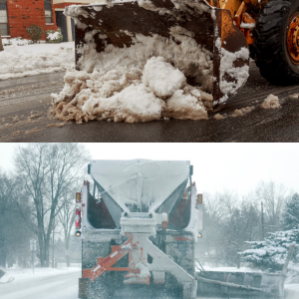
{"points": [[270, 49]]}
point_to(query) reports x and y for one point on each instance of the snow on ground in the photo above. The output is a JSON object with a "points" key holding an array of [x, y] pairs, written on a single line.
{"points": [[33, 59], [291, 291], [22, 276], [17, 41], [44, 284], [226, 269]]}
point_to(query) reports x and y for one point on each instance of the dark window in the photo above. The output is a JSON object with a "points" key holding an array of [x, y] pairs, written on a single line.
{"points": [[3, 19], [48, 11]]}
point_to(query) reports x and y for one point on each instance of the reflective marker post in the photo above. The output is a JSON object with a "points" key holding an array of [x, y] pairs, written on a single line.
{"points": [[33, 248]]}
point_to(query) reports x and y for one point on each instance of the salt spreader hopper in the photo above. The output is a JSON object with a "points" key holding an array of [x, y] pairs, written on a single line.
{"points": [[139, 221]]}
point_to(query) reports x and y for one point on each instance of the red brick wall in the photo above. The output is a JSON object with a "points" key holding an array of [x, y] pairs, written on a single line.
{"points": [[24, 13]]}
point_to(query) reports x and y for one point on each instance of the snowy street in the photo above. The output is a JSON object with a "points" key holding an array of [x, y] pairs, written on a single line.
{"points": [[65, 286], [58, 286], [25, 104]]}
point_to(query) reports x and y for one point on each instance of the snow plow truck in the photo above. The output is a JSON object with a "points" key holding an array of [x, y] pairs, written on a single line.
{"points": [[139, 221], [230, 30]]}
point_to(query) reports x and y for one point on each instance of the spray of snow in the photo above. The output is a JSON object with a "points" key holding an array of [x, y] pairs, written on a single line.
{"points": [[141, 83], [271, 102]]}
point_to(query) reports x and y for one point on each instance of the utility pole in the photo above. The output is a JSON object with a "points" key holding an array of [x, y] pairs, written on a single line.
{"points": [[262, 208]]}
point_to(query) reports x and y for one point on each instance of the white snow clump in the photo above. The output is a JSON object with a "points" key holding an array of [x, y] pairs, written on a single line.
{"points": [[271, 102], [144, 82]]}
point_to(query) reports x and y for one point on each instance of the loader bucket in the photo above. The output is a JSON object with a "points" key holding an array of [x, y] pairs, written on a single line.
{"points": [[121, 23], [241, 284]]}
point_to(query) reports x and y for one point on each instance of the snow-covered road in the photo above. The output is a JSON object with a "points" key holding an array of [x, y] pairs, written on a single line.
{"points": [[65, 286], [61, 286]]}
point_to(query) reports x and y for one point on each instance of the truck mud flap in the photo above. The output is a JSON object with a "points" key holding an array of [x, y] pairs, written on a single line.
{"points": [[84, 288]]}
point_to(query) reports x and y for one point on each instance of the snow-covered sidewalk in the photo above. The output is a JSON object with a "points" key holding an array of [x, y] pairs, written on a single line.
{"points": [[22, 59]]}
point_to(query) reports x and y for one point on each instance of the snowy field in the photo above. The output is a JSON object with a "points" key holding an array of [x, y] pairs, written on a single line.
{"points": [[21, 59]]}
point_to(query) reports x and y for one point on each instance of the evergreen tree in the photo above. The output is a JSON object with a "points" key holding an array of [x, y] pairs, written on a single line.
{"points": [[290, 216], [271, 253]]}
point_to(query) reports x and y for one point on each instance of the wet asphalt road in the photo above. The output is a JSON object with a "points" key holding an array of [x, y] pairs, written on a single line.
{"points": [[24, 105]]}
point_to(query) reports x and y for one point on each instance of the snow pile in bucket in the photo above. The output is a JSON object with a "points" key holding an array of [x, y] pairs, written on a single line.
{"points": [[271, 102], [228, 69], [144, 82]]}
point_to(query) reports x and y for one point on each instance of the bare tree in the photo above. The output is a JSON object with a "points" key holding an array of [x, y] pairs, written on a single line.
{"points": [[228, 222], [14, 235], [274, 197], [45, 171], [6, 196], [217, 210], [66, 217]]}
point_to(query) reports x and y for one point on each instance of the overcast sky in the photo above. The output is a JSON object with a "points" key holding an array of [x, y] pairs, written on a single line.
{"points": [[217, 167]]}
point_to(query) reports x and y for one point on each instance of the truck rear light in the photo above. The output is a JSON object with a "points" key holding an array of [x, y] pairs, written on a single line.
{"points": [[78, 218], [199, 199], [78, 197], [78, 233]]}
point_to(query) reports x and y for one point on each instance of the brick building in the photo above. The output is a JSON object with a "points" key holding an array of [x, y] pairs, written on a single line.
{"points": [[17, 15]]}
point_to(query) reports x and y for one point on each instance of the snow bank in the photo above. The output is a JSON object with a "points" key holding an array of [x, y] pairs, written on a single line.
{"points": [[144, 82], [28, 60], [227, 269], [17, 41], [271, 102]]}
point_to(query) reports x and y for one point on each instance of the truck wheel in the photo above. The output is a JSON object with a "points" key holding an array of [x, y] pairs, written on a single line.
{"points": [[276, 42]]}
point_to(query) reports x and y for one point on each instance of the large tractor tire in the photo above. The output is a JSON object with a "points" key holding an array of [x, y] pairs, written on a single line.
{"points": [[276, 42]]}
